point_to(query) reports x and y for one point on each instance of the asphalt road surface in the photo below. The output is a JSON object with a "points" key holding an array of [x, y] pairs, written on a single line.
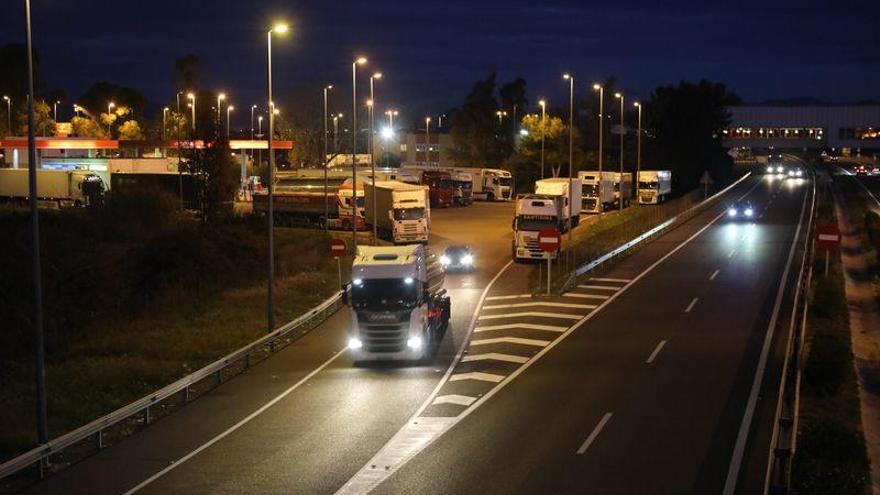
{"points": [[634, 382]]}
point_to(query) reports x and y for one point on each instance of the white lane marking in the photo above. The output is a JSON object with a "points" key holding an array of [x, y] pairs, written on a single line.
{"points": [[477, 375], [585, 296], [511, 340], [691, 305], [545, 304], [500, 298], [599, 287], [714, 274], [594, 433], [460, 400], [742, 436], [621, 280], [244, 421], [656, 351], [398, 451], [732, 252], [528, 326], [538, 314], [494, 356]]}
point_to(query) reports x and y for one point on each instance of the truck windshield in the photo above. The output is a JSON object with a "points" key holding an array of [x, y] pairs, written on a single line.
{"points": [[535, 222], [505, 181], [463, 184], [647, 185], [384, 293], [409, 213], [589, 189]]}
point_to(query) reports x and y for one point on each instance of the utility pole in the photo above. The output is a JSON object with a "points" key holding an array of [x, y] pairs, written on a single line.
{"points": [[324, 163]]}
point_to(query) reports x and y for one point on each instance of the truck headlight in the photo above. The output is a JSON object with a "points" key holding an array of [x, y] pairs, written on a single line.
{"points": [[779, 169], [467, 260], [770, 170], [749, 212], [414, 343], [355, 343], [444, 259], [731, 212]]}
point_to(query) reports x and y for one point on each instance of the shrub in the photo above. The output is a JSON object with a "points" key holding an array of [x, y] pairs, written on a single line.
{"points": [[828, 299], [830, 458], [828, 363]]}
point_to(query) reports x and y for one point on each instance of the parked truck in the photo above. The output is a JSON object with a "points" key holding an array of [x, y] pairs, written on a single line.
{"points": [[654, 186], [597, 192], [403, 211], [492, 184], [563, 190], [623, 183], [399, 308], [441, 189], [300, 200], [463, 195], [55, 188], [533, 213]]}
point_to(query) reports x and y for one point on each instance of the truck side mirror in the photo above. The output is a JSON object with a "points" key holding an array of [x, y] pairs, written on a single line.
{"points": [[390, 215]]}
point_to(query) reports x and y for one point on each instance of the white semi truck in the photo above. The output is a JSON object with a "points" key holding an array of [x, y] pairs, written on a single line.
{"points": [[56, 188], [548, 207], [563, 190], [623, 182], [654, 186], [597, 192], [489, 184], [403, 211], [399, 308]]}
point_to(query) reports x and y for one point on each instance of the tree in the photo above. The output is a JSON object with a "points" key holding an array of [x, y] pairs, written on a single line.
{"points": [[87, 127], [475, 127], [43, 123], [130, 130], [100, 94], [220, 178], [686, 122], [514, 102], [13, 71], [526, 162]]}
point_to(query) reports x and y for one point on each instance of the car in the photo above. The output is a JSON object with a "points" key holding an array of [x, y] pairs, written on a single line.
{"points": [[740, 210], [458, 258], [862, 170], [795, 173], [775, 168]]}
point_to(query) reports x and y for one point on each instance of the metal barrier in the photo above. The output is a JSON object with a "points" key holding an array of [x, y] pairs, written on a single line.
{"points": [[680, 217], [39, 456]]}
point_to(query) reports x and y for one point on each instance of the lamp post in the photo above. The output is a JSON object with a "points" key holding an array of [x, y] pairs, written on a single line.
{"points": [[9, 114], [336, 119], [324, 162], [220, 98], [55, 110], [192, 101], [354, 133], [500, 114], [229, 109], [76, 109], [391, 114], [601, 90], [543, 104], [428, 141], [109, 120], [571, 207], [177, 97], [639, 150], [270, 296], [42, 422], [253, 107], [164, 119], [620, 97], [371, 105]]}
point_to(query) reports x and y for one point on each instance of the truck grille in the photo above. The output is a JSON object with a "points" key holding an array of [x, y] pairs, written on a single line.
{"points": [[647, 198], [388, 335], [589, 204], [533, 247]]}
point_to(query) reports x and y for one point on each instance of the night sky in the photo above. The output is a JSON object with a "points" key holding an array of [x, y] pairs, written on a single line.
{"points": [[432, 52]]}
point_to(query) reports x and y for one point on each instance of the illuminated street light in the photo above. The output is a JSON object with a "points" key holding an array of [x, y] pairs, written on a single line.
{"points": [[228, 109], [371, 104], [354, 133], [571, 205], [9, 113], [55, 110], [391, 114], [639, 152], [543, 104], [598, 87], [220, 98], [109, 120], [164, 119], [324, 162], [192, 106], [428, 141], [620, 97], [253, 107], [387, 133]]}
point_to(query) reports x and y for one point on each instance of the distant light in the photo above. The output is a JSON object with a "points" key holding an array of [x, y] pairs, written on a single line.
{"points": [[355, 343], [377, 75], [566, 76], [387, 133], [281, 28], [408, 280], [543, 103], [361, 61], [221, 96], [191, 96], [597, 86], [523, 132], [618, 95]]}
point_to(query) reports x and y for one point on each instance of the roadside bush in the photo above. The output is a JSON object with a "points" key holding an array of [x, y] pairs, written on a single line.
{"points": [[828, 299], [830, 458], [828, 363], [137, 214]]}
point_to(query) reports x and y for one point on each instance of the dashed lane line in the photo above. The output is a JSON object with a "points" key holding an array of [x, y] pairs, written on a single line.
{"points": [[714, 274], [527, 326], [598, 287], [655, 352], [544, 304], [511, 340], [495, 356], [620, 280], [691, 305], [461, 400], [594, 433], [586, 296], [732, 252], [477, 375], [532, 313], [502, 298]]}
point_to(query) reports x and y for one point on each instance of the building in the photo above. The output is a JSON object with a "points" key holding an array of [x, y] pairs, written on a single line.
{"points": [[841, 128], [414, 150]]}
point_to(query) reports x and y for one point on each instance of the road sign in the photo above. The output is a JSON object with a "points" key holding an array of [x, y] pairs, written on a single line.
{"points": [[827, 236], [337, 248], [549, 240]]}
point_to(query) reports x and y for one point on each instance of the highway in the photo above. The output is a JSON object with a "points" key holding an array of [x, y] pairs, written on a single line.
{"points": [[636, 381]]}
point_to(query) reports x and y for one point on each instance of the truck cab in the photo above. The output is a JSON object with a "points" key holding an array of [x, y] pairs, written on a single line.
{"points": [[597, 191], [463, 195], [496, 184], [533, 213], [403, 211], [398, 306], [441, 188], [654, 186]]}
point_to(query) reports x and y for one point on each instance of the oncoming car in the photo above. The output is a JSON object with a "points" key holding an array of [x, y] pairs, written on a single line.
{"points": [[741, 210], [775, 169], [458, 258], [795, 173]]}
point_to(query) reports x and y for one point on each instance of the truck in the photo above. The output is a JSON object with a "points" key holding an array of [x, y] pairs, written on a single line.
{"points": [[533, 213], [597, 192], [563, 190], [403, 211], [55, 188], [300, 200], [623, 182], [463, 194], [441, 188], [654, 186], [399, 308], [491, 184]]}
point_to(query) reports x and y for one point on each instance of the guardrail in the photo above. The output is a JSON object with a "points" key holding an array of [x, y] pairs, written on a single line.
{"points": [[141, 408], [783, 440], [623, 248]]}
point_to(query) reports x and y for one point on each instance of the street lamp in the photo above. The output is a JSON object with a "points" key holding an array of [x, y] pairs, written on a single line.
{"points": [[371, 104], [354, 133], [220, 98], [500, 114], [598, 87], [391, 114], [229, 109], [109, 120], [428, 141], [543, 104], [253, 107], [336, 119], [639, 148], [571, 207], [164, 119], [9, 113], [55, 110], [620, 97], [270, 296], [192, 106], [327, 88], [76, 109]]}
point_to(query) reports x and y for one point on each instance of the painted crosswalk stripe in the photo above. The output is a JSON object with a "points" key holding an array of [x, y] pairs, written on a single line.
{"points": [[501, 298], [620, 280], [598, 287], [545, 304], [495, 356], [461, 400], [511, 340], [538, 314], [527, 326], [586, 296], [476, 375]]}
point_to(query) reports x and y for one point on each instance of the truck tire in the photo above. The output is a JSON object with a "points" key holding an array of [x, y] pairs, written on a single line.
{"points": [[490, 197]]}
